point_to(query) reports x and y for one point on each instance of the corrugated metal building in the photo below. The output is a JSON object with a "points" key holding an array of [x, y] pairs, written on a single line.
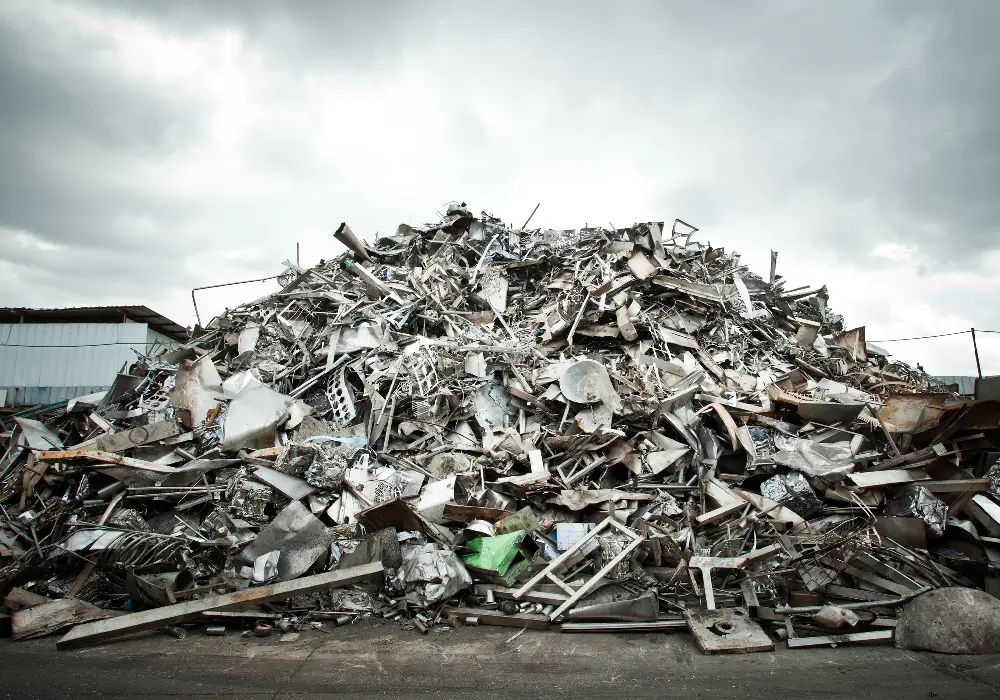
{"points": [[49, 355], [964, 386]]}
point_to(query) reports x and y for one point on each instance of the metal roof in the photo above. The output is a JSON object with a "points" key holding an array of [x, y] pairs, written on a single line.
{"points": [[97, 314]]}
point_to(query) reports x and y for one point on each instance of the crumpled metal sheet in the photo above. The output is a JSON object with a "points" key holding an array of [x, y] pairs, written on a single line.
{"points": [[793, 491], [197, 390], [37, 436], [431, 574], [993, 479], [831, 460], [348, 339], [915, 501], [254, 416], [291, 486], [298, 535], [587, 382], [238, 382]]}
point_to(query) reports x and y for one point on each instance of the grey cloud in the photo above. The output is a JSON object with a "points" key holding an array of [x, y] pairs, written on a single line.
{"points": [[71, 134], [296, 33], [765, 123]]}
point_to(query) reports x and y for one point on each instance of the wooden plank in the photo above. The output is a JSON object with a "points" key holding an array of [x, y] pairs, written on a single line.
{"points": [[83, 576], [99, 457], [658, 626], [867, 480], [395, 513], [55, 615], [722, 494], [102, 630], [245, 615], [749, 596], [127, 439], [266, 452], [495, 617], [834, 639]]}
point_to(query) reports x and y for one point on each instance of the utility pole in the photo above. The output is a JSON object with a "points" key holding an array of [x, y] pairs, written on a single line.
{"points": [[975, 348]]}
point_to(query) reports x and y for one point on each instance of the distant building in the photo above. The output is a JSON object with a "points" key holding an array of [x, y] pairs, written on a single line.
{"points": [[973, 387], [50, 355], [963, 386]]}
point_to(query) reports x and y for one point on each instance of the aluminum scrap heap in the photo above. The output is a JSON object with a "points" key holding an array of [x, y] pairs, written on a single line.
{"points": [[585, 426]]}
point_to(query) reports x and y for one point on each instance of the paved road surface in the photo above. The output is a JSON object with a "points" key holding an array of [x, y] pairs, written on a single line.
{"points": [[385, 662]]}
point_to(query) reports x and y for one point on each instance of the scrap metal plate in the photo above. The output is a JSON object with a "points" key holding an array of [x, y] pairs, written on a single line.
{"points": [[727, 631]]}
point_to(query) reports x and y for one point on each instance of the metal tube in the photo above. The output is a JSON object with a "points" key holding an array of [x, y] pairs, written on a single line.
{"points": [[975, 349], [808, 610], [532, 215]]}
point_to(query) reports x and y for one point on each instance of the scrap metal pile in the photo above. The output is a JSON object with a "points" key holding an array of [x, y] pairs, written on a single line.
{"points": [[611, 429]]}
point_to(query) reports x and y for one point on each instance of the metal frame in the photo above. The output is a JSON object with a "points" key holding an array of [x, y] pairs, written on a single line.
{"points": [[575, 595]]}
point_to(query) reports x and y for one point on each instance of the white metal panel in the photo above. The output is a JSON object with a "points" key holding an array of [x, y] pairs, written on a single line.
{"points": [[41, 396], [47, 362], [157, 342]]}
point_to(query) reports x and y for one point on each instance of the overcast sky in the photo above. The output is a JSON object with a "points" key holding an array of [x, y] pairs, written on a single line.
{"points": [[150, 147]]}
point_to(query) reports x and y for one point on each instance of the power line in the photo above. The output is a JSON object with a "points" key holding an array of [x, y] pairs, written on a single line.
{"points": [[924, 337], [84, 345]]}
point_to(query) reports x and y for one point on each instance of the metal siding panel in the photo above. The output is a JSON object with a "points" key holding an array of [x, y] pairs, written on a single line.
{"points": [[38, 374], [9, 360], [22, 368], [52, 359], [59, 372], [966, 384], [158, 341]]}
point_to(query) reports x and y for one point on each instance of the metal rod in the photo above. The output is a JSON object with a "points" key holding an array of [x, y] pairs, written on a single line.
{"points": [[975, 349], [532, 215], [226, 284]]}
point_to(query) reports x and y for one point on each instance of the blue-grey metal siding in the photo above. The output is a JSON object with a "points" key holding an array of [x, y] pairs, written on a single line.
{"points": [[966, 385], [47, 362]]}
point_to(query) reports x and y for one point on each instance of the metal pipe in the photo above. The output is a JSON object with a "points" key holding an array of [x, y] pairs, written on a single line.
{"points": [[809, 610], [532, 215], [975, 349]]}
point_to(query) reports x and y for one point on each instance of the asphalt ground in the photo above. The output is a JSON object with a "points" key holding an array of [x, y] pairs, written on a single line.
{"points": [[369, 661]]}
